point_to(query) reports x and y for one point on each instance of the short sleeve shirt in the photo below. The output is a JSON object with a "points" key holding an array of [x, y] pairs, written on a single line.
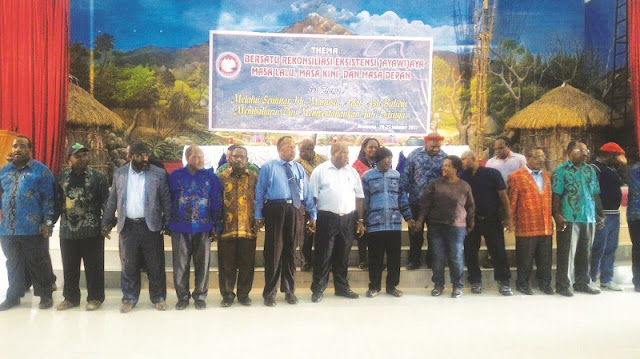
{"points": [[485, 184], [577, 187]]}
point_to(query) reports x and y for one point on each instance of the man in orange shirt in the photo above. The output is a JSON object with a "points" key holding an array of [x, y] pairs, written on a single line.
{"points": [[529, 191]]}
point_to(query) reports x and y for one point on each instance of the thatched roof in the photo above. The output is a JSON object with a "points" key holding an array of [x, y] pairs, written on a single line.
{"points": [[565, 107], [84, 110]]}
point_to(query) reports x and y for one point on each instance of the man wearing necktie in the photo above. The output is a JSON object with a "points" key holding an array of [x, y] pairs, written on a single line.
{"points": [[530, 199], [281, 191]]}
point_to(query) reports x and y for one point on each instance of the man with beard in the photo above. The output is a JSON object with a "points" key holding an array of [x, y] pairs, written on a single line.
{"points": [[337, 190], [26, 223], [140, 194]]}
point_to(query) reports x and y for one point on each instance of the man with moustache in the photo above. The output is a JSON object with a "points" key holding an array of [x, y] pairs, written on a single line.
{"points": [[577, 211], [281, 191], [196, 197], [26, 223], [337, 190], [140, 194]]}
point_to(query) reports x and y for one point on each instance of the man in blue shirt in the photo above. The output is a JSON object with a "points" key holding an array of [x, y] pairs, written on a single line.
{"points": [[281, 191], [26, 223], [196, 197]]}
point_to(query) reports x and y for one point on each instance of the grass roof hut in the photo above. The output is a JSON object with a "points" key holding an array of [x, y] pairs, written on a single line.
{"points": [[562, 115], [89, 122]]}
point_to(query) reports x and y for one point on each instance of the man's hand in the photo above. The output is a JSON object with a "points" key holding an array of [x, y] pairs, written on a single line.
{"points": [[412, 225], [417, 226], [165, 231], [105, 233], [311, 226], [470, 228], [257, 224], [214, 236], [361, 229], [561, 223], [507, 223], [600, 223], [46, 230]]}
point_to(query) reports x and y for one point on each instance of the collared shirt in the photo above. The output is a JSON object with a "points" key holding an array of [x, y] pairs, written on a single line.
{"points": [[273, 184], [27, 198], [135, 193], [196, 201], [485, 184], [508, 165], [610, 192], [310, 166], [239, 202], [577, 187], [633, 203], [537, 177], [420, 169], [250, 166], [384, 202], [80, 201], [336, 189]]}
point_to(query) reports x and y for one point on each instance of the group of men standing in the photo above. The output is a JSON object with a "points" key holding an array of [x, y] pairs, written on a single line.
{"points": [[313, 202]]}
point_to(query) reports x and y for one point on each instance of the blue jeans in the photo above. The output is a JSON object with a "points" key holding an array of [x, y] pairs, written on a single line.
{"points": [[448, 243], [603, 252]]}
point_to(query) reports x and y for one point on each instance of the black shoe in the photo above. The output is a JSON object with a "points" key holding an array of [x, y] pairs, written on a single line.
{"points": [[547, 290], [505, 290], [316, 297], [226, 302], [372, 293], [437, 291], [182, 304], [8, 304], [456, 293], [270, 301], [45, 303], [476, 288], [585, 288], [413, 266], [200, 304], [363, 265], [291, 298], [348, 294], [246, 301], [565, 292], [395, 292], [306, 267], [524, 289]]}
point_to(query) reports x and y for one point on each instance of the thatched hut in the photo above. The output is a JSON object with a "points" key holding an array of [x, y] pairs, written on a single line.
{"points": [[89, 122], [560, 116]]}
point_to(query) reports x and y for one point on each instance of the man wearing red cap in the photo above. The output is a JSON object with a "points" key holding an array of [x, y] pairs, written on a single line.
{"points": [[423, 165], [605, 242]]}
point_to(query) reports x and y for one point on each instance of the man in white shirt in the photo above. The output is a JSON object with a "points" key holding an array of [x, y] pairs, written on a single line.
{"points": [[504, 160], [337, 190]]}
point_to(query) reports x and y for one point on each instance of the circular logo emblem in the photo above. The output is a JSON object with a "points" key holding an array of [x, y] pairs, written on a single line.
{"points": [[228, 65]]}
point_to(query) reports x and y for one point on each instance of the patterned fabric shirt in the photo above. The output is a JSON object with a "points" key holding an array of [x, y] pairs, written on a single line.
{"points": [[196, 201], [633, 203], [419, 171], [80, 200], [238, 210], [530, 206], [27, 198], [577, 187], [226, 166], [384, 202], [310, 166]]}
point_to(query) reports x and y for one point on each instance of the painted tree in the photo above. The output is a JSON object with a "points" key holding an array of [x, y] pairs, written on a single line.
{"points": [[512, 66], [450, 97], [135, 93]]}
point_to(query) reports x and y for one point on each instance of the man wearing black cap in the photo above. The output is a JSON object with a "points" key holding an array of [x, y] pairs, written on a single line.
{"points": [[140, 193], [82, 193]]}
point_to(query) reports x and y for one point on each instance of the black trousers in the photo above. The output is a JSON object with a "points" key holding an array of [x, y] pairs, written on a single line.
{"points": [[493, 234], [574, 254], [236, 261], [416, 240], [187, 247], [362, 248], [283, 227], [305, 254], [334, 237], [528, 249], [27, 277], [380, 243], [634, 233], [138, 246], [26, 253], [91, 252]]}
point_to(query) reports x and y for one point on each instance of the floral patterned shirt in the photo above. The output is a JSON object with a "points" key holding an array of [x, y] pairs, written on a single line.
{"points": [[196, 201], [420, 169], [633, 204], [239, 203], [577, 187]]}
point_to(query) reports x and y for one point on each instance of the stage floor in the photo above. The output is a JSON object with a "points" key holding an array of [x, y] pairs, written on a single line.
{"points": [[415, 326]]}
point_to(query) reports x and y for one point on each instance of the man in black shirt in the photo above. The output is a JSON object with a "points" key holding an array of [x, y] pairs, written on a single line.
{"points": [[492, 216], [605, 241]]}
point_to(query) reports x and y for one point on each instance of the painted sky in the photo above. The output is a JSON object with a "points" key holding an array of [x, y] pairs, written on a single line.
{"points": [[180, 24]]}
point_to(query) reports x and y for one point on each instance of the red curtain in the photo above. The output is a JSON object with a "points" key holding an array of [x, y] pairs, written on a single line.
{"points": [[633, 9], [34, 72]]}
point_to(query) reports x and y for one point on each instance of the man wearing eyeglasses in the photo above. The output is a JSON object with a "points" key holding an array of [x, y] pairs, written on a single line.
{"points": [[577, 211]]}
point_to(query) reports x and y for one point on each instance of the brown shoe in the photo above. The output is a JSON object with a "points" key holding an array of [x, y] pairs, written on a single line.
{"points": [[45, 303], [126, 307], [161, 305], [93, 305], [65, 304]]}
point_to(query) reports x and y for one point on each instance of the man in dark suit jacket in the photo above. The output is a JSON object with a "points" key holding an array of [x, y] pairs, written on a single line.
{"points": [[140, 194]]}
